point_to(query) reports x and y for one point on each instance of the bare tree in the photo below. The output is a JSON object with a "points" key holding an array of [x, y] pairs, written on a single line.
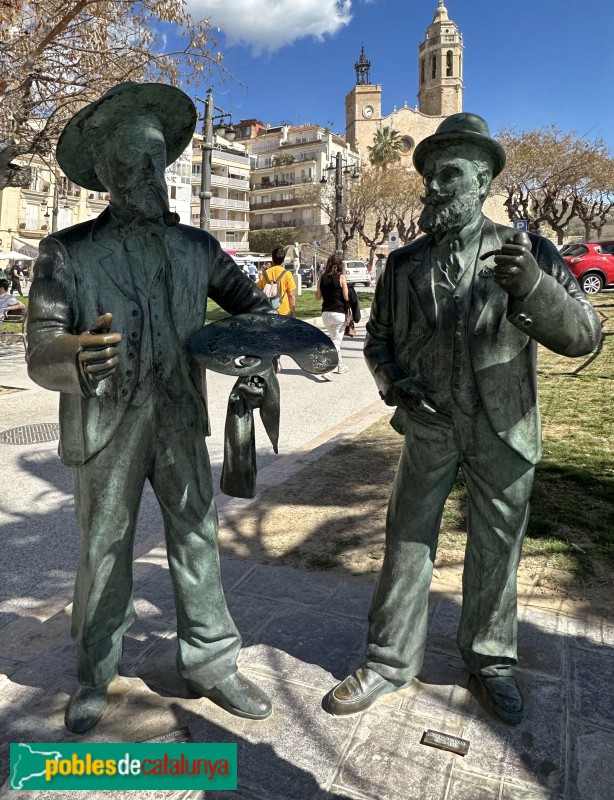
{"points": [[322, 196], [375, 205], [547, 174], [385, 201], [594, 195], [57, 55]]}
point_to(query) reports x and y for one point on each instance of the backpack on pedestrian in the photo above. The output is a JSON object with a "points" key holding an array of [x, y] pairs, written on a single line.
{"points": [[271, 290]]}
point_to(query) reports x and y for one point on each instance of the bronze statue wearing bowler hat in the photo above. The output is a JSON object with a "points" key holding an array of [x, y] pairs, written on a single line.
{"points": [[452, 343], [112, 308]]}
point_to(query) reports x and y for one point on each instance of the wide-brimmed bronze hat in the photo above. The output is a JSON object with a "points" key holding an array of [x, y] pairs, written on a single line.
{"points": [[463, 128], [174, 109]]}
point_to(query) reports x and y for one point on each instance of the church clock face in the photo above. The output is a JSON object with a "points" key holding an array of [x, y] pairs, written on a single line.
{"points": [[367, 111]]}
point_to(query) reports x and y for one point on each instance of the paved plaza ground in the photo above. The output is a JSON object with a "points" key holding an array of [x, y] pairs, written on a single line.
{"points": [[302, 631]]}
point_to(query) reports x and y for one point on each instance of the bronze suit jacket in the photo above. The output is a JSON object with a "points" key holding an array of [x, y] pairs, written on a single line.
{"points": [[82, 272], [503, 332]]}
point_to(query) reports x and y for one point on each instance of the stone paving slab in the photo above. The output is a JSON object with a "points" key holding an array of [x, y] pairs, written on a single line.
{"points": [[13, 372], [302, 632]]}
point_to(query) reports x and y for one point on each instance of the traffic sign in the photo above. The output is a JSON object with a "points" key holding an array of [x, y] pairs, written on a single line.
{"points": [[521, 225], [393, 241]]}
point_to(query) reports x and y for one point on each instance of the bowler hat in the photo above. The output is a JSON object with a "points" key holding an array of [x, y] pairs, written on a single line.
{"points": [[174, 109], [461, 129]]}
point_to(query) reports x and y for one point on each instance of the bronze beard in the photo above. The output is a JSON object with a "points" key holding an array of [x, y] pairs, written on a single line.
{"points": [[442, 216]]}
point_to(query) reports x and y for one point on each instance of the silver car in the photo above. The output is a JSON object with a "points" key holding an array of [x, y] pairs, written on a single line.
{"points": [[356, 272]]}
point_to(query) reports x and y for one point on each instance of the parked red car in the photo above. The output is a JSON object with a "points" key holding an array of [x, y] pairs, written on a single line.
{"points": [[592, 263]]}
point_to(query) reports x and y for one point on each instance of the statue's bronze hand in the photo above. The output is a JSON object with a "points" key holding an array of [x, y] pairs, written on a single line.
{"points": [[253, 387], [516, 270], [99, 349], [413, 395], [408, 391]]}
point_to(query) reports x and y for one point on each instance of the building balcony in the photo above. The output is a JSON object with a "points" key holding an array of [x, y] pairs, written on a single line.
{"points": [[98, 197], [266, 146], [41, 229], [239, 247], [224, 202], [310, 143], [37, 192], [273, 183], [221, 202], [230, 224], [221, 180], [219, 154], [298, 160], [268, 204], [255, 225]]}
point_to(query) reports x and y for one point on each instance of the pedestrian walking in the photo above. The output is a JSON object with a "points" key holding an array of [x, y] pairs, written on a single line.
{"points": [[16, 276], [278, 284], [333, 291]]}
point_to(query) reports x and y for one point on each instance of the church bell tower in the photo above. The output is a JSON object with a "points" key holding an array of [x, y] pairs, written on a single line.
{"points": [[363, 106], [440, 67]]}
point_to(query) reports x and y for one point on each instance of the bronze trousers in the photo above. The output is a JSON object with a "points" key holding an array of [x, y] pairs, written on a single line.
{"points": [[499, 483], [163, 442]]}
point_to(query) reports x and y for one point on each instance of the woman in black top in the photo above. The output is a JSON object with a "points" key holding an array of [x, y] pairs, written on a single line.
{"points": [[333, 291]]}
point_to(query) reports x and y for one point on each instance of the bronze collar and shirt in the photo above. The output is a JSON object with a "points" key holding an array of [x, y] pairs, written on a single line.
{"points": [[453, 261]]}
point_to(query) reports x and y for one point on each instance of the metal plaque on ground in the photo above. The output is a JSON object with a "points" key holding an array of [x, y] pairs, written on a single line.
{"points": [[179, 736], [443, 741]]}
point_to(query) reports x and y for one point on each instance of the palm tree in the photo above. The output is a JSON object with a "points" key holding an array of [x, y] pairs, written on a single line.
{"points": [[386, 148]]}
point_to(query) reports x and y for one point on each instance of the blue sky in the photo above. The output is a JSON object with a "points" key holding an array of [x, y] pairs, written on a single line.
{"points": [[527, 63]]}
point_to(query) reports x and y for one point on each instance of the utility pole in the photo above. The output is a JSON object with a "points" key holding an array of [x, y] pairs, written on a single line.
{"points": [[338, 203], [205, 169], [54, 207]]}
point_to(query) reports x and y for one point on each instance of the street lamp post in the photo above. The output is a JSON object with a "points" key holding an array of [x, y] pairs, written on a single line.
{"points": [[207, 152], [338, 203], [56, 205], [340, 168]]}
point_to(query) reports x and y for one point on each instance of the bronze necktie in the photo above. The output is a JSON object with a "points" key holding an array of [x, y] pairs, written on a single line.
{"points": [[453, 262]]}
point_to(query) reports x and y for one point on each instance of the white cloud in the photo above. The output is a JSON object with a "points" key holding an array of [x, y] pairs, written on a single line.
{"points": [[271, 24]]}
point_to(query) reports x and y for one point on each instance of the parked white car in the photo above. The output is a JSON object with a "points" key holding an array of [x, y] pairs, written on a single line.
{"points": [[356, 272]]}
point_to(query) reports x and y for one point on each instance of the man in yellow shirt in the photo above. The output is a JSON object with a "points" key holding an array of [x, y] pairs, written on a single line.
{"points": [[285, 288], [286, 285]]}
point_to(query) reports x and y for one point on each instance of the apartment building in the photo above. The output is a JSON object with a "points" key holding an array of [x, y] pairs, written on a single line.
{"points": [[50, 202], [257, 182], [230, 166], [285, 160]]}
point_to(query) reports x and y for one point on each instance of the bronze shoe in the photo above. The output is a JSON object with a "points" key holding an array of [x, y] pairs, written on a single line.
{"points": [[85, 708], [357, 692], [501, 693], [237, 695]]}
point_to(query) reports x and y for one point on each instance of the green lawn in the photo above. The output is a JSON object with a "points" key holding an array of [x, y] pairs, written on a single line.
{"points": [[307, 306], [571, 524], [15, 327]]}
